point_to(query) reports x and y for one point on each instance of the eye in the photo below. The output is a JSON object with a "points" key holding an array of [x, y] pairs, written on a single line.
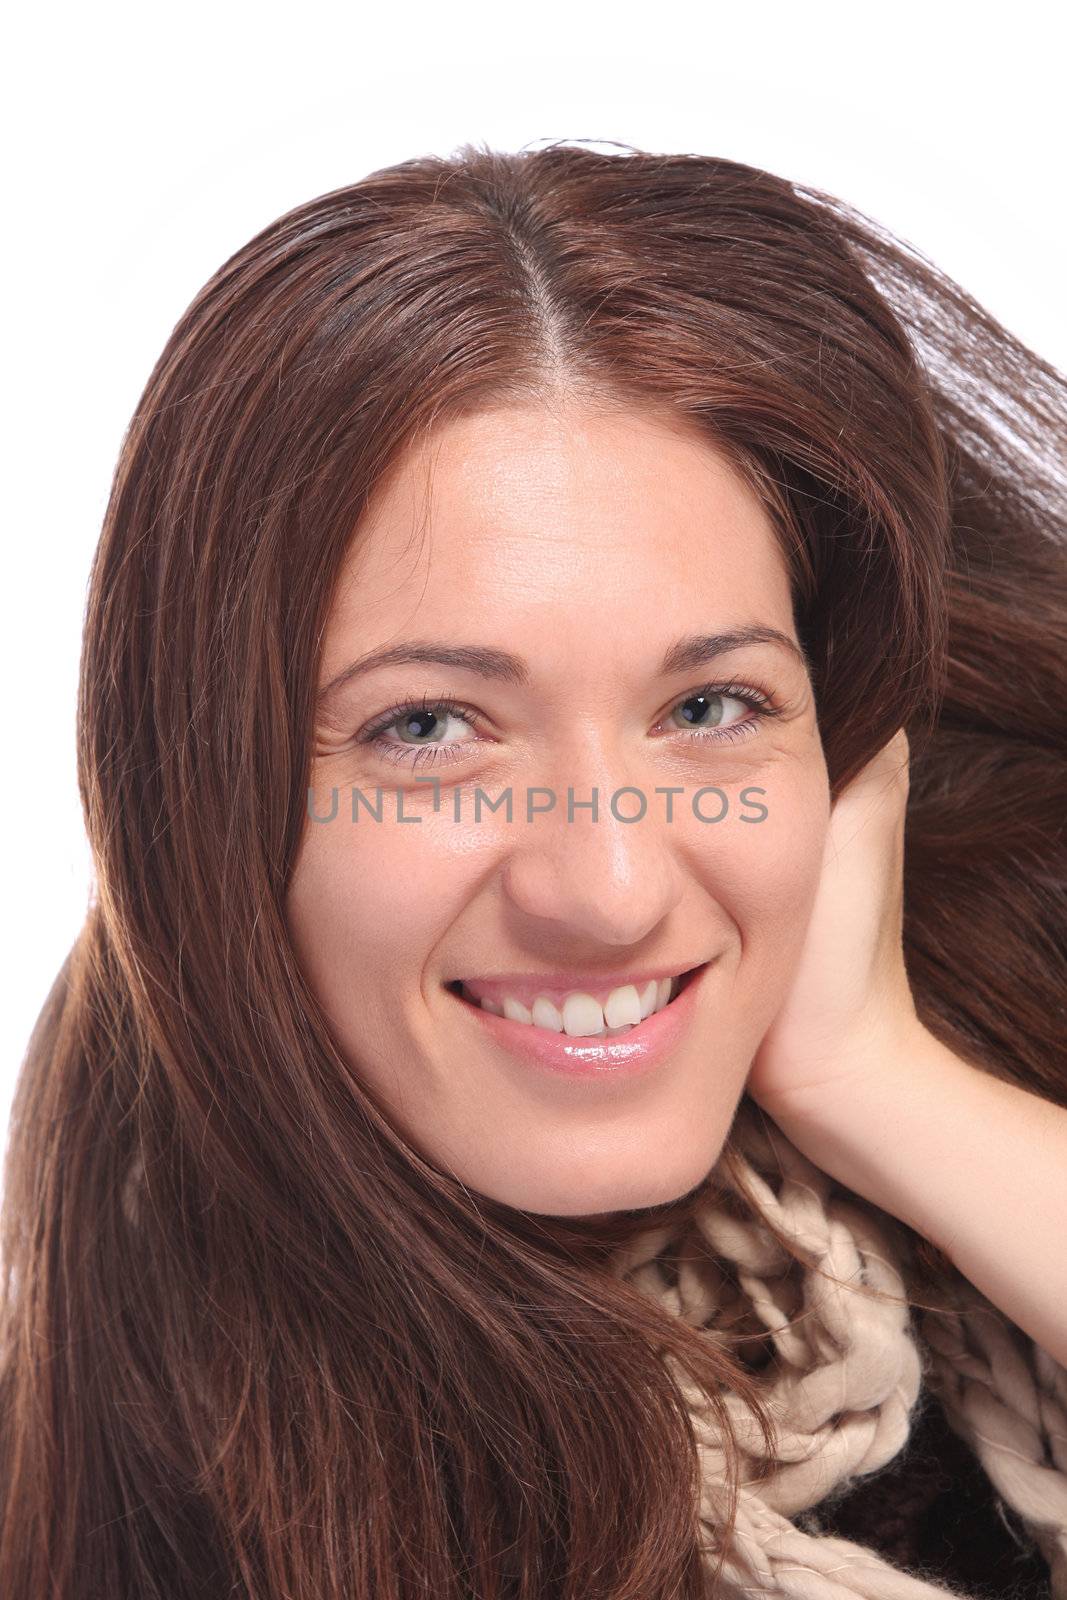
{"points": [[707, 711], [422, 725]]}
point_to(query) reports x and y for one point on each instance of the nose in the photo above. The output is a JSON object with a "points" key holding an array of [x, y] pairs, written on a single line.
{"points": [[608, 881]]}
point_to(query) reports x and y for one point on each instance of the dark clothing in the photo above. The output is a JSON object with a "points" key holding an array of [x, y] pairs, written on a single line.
{"points": [[933, 1512]]}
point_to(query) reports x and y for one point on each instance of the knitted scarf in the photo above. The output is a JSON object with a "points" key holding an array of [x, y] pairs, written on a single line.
{"points": [[845, 1381]]}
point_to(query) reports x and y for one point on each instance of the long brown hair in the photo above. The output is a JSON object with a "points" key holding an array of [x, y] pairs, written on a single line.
{"points": [[253, 1343]]}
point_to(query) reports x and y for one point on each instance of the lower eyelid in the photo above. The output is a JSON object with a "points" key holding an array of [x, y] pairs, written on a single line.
{"points": [[383, 744]]}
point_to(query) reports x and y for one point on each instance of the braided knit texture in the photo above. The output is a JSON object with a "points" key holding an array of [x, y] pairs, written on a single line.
{"points": [[843, 1375]]}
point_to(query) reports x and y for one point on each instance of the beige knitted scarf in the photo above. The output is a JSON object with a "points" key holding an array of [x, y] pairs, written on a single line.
{"points": [[843, 1381]]}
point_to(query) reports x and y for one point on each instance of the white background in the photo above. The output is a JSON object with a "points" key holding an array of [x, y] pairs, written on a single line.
{"points": [[144, 144]]}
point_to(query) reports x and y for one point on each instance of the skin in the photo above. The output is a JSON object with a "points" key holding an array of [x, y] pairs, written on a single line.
{"points": [[587, 543]]}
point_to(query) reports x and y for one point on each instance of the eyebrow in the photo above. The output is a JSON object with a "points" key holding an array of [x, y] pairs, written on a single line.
{"points": [[685, 655]]}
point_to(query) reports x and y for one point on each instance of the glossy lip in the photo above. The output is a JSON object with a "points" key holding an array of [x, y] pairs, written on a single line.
{"points": [[627, 1056]]}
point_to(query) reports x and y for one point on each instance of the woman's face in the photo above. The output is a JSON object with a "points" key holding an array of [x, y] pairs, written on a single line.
{"points": [[587, 546]]}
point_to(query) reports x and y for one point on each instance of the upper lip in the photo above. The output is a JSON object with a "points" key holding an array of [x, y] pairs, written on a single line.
{"points": [[526, 986]]}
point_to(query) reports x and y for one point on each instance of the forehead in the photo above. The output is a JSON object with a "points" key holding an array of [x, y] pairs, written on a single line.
{"points": [[529, 516]]}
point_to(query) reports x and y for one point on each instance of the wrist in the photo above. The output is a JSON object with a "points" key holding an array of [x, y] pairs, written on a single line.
{"points": [[857, 1122], [880, 1043]]}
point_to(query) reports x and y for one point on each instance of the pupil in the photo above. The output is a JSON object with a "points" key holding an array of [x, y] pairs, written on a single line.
{"points": [[418, 716], [701, 700]]}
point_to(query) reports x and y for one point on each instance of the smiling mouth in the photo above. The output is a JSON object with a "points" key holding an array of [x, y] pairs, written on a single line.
{"points": [[678, 985]]}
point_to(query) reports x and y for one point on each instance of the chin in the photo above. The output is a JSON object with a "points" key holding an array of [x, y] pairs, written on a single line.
{"points": [[640, 1194]]}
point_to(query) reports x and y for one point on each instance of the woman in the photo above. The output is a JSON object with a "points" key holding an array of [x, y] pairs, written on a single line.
{"points": [[510, 1170]]}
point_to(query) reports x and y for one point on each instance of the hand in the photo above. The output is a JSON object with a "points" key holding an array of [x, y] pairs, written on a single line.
{"points": [[850, 1005]]}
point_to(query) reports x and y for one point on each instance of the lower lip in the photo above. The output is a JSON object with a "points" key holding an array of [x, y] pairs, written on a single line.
{"points": [[593, 1056]]}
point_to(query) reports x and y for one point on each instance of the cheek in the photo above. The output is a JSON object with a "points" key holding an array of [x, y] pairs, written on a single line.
{"points": [[367, 902], [763, 876], [773, 870]]}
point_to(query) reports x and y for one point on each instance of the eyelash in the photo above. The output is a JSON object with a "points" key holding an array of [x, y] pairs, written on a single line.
{"points": [[755, 699]]}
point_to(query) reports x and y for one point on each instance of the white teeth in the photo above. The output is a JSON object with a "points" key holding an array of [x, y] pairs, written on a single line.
{"points": [[649, 997], [622, 1006], [582, 1016], [546, 1015]]}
